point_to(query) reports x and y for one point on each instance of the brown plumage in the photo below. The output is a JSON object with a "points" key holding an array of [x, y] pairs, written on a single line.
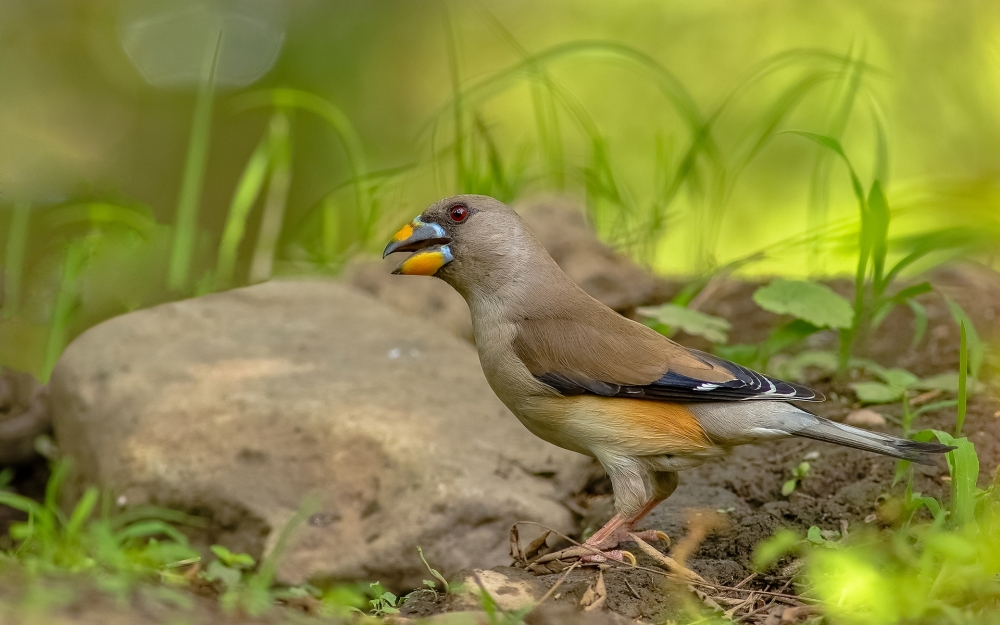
{"points": [[583, 377]]}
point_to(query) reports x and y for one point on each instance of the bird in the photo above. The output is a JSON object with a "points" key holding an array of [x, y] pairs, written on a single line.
{"points": [[583, 377]]}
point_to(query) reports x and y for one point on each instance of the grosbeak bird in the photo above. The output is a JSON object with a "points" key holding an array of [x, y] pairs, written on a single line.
{"points": [[587, 379]]}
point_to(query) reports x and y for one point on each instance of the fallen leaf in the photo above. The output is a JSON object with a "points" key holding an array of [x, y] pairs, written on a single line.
{"points": [[595, 595]]}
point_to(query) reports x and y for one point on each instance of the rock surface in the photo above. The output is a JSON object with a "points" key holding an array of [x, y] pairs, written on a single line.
{"points": [[561, 226], [240, 405], [511, 589], [24, 415]]}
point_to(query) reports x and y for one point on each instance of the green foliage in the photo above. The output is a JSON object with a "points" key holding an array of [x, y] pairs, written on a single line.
{"points": [[384, 602], [873, 276], [944, 570], [434, 573], [799, 473], [185, 230], [812, 302], [128, 547], [814, 306], [668, 318]]}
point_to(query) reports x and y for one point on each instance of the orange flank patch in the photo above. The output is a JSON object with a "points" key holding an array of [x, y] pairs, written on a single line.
{"points": [[404, 233], [422, 263], [637, 426]]}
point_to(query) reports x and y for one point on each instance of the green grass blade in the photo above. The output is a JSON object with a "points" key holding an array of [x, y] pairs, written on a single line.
{"points": [[149, 529], [22, 503], [848, 336], [82, 511], [294, 99], [186, 226], [262, 262], [247, 191], [919, 322], [976, 348], [65, 304], [881, 168], [877, 230], [17, 244], [963, 373], [260, 582]]}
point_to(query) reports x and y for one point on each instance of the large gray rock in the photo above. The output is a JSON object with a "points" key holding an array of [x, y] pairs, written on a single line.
{"points": [[239, 405]]}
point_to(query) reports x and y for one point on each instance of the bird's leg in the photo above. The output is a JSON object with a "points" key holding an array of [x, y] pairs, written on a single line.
{"points": [[617, 530], [601, 547]]}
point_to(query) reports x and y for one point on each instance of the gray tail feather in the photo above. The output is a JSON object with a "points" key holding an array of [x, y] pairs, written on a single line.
{"points": [[832, 432]]}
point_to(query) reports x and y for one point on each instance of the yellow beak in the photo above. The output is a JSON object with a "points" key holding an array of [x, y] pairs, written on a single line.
{"points": [[429, 244]]}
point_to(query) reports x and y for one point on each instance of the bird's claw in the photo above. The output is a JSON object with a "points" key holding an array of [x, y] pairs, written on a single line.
{"points": [[657, 535], [558, 561], [618, 555]]}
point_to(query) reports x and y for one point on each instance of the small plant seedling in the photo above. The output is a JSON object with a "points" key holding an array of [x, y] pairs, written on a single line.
{"points": [[229, 568], [384, 602], [799, 473], [432, 584]]}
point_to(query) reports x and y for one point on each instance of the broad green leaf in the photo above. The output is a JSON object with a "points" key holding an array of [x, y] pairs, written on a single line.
{"points": [[230, 559], [809, 301], [900, 378], [219, 572], [877, 392], [947, 381], [789, 486], [714, 329], [815, 536]]}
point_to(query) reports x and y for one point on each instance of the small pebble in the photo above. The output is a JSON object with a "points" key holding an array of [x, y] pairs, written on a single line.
{"points": [[865, 417]]}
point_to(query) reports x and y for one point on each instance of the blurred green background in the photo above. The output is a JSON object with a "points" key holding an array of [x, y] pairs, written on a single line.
{"points": [[157, 150]]}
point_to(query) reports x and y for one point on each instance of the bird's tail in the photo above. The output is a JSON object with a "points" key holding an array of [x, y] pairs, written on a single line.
{"points": [[749, 421], [832, 432]]}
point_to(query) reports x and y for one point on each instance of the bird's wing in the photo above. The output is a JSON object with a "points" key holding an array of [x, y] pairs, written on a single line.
{"points": [[615, 357]]}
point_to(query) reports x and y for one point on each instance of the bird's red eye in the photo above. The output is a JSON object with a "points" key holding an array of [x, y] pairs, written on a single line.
{"points": [[458, 213]]}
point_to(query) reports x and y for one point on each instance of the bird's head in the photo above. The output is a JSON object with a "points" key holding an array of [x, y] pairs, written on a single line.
{"points": [[466, 240]]}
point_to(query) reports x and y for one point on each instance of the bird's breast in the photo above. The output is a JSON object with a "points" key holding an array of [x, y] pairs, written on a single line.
{"points": [[625, 427]]}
